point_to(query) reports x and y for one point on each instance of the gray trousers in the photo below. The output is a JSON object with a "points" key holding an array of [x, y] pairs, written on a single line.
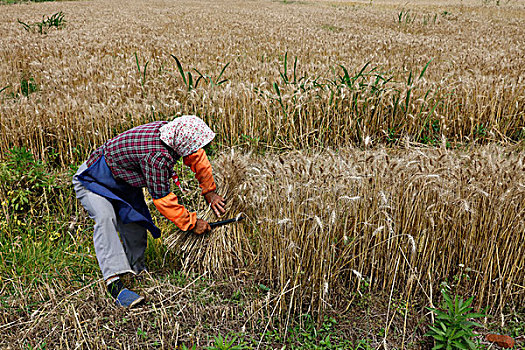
{"points": [[116, 255]]}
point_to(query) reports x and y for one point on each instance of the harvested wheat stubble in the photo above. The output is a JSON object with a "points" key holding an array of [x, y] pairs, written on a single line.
{"points": [[404, 220], [88, 319]]}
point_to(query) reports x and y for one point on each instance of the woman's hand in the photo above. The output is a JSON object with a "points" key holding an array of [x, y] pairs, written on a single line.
{"points": [[201, 227], [216, 202]]}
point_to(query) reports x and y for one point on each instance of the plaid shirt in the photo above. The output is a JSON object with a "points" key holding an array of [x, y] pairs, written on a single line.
{"points": [[140, 158]]}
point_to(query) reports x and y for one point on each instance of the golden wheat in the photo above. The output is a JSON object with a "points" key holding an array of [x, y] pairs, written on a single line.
{"points": [[404, 220], [90, 86]]}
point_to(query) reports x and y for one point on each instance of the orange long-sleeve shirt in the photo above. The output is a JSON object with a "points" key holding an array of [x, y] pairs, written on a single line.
{"points": [[169, 205]]}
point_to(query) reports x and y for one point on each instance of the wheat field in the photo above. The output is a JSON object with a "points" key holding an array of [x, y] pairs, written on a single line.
{"points": [[90, 84], [375, 149]]}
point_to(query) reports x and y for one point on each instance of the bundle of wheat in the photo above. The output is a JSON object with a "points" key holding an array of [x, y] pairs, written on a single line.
{"points": [[226, 247]]}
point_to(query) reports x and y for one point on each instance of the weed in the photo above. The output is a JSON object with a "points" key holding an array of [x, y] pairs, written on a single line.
{"points": [[480, 131], [221, 343], [332, 28], [406, 17], [430, 133], [25, 181], [427, 19], [56, 20], [452, 328], [519, 135], [184, 347], [188, 79], [168, 259], [142, 334], [307, 335], [392, 136], [236, 296], [27, 86], [211, 81], [42, 346], [143, 73]]}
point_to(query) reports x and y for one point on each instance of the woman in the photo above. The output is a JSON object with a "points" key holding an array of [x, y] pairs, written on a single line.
{"points": [[109, 186]]}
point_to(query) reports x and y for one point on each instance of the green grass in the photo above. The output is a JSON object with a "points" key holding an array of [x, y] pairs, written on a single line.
{"points": [[332, 28], [28, 85], [33, 260], [41, 244], [304, 335], [307, 335]]}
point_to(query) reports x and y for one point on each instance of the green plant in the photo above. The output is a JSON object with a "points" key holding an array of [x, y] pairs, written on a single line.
{"points": [[154, 249], [2, 89], [519, 134], [184, 347], [405, 17], [480, 131], [221, 343], [391, 135], [307, 335], [28, 86], [452, 328], [332, 28], [214, 82], [42, 346], [143, 73], [142, 334], [25, 183], [284, 73], [188, 80], [430, 133], [55, 20], [428, 18]]}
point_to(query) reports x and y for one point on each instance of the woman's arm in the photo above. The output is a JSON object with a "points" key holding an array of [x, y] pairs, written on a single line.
{"points": [[169, 207], [200, 165], [156, 170]]}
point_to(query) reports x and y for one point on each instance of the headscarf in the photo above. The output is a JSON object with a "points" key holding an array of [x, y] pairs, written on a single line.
{"points": [[186, 134]]}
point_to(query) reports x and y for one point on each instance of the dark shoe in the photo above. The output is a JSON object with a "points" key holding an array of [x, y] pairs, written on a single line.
{"points": [[127, 298]]}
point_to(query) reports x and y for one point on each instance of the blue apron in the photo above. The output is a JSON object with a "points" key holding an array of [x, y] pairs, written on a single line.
{"points": [[128, 201]]}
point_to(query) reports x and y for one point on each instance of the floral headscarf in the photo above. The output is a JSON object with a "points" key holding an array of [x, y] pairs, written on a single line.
{"points": [[186, 134]]}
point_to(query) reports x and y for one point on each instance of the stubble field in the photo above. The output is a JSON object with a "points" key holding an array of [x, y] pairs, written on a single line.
{"points": [[375, 148]]}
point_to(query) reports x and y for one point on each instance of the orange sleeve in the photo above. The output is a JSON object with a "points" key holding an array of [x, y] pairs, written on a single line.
{"points": [[169, 207], [200, 165]]}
